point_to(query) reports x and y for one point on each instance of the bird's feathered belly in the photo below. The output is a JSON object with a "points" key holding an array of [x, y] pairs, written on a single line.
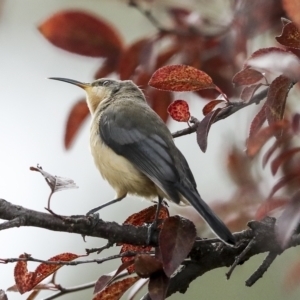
{"points": [[118, 171]]}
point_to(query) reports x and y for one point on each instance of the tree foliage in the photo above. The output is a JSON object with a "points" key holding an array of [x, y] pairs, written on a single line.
{"points": [[193, 53]]}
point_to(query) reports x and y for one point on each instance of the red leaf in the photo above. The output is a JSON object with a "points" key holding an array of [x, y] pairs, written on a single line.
{"points": [[130, 58], [276, 98], [82, 33], [160, 103], [128, 247], [247, 77], [262, 52], [77, 116], [258, 121], [281, 158], [108, 66], [138, 219], [256, 142], [239, 167], [210, 106], [204, 127], [268, 206], [105, 280], [116, 290], [283, 181], [269, 153], [44, 270], [179, 111], [176, 240], [180, 78], [275, 60], [166, 55], [147, 215], [26, 281], [248, 92], [288, 220], [290, 36], [158, 286], [296, 123], [292, 8], [145, 265]]}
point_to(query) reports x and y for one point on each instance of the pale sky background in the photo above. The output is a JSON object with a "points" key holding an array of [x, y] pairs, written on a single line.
{"points": [[33, 113]]}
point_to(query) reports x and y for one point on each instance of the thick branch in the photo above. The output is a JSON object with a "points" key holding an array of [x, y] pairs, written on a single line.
{"points": [[18, 216], [205, 256]]}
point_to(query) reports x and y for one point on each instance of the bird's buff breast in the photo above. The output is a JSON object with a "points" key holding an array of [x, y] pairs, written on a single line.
{"points": [[117, 170]]}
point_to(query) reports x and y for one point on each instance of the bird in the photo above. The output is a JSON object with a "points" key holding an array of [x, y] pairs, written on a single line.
{"points": [[135, 152]]}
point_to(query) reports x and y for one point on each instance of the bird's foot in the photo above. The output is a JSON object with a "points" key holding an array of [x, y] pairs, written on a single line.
{"points": [[151, 229]]}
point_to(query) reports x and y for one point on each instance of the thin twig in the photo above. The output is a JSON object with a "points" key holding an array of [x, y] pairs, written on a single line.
{"points": [[232, 108], [240, 257], [99, 250], [262, 269], [63, 291], [72, 263]]}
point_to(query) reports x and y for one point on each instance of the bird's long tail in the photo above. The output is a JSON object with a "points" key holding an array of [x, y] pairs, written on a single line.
{"points": [[215, 223]]}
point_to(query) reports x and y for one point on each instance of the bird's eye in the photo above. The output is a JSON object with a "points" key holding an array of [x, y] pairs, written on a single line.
{"points": [[105, 83]]}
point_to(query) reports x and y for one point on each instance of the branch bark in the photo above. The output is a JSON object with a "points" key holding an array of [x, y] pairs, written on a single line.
{"points": [[206, 255]]}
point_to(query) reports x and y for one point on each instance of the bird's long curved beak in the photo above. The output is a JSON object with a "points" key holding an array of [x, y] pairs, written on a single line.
{"points": [[75, 82]]}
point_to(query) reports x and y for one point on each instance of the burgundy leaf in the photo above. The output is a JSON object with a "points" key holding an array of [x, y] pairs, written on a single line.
{"points": [[138, 219], [204, 127], [269, 153], [76, 117], [145, 265], [283, 182], [276, 98], [130, 59], [290, 36], [296, 123], [276, 60], [116, 290], [292, 8], [160, 103], [248, 92], [247, 77], [82, 33], [176, 239], [268, 206], [281, 158], [105, 280], [108, 66], [210, 106], [158, 286], [258, 121], [257, 141]]}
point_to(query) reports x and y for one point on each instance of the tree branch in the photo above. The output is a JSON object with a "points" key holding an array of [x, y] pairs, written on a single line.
{"points": [[232, 108], [206, 255]]}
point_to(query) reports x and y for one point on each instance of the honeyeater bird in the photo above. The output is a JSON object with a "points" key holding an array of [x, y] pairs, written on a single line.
{"points": [[134, 150]]}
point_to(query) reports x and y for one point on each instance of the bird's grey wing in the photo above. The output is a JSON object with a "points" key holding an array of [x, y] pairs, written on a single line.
{"points": [[142, 145], [186, 170]]}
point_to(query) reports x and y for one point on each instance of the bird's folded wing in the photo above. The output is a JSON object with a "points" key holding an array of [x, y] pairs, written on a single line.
{"points": [[143, 146]]}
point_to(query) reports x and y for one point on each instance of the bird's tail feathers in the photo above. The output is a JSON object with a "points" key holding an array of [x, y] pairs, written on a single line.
{"points": [[215, 223]]}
